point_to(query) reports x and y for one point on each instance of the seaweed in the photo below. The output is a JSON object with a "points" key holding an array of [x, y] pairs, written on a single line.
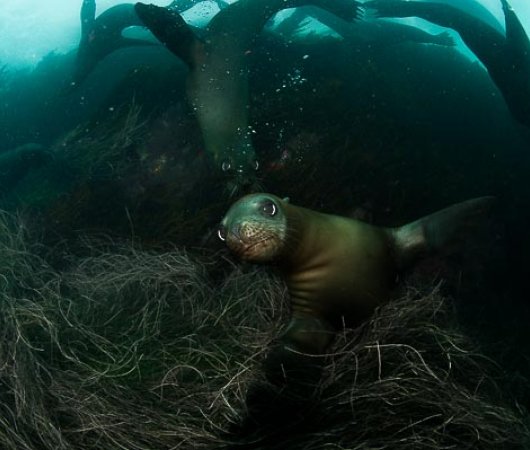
{"points": [[124, 347]]}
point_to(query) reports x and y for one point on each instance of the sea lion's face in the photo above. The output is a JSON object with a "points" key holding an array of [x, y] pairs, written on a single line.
{"points": [[255, 227]]}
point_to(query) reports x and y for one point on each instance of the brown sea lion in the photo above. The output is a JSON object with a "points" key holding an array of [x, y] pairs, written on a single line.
{"points": [[337, 269]]}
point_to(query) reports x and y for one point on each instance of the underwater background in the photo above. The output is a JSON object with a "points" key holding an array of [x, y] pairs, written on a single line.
{"points": [[125, 322]]}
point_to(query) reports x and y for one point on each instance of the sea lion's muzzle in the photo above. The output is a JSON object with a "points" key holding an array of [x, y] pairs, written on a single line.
{"points": [[244, 234], [251, 241]]}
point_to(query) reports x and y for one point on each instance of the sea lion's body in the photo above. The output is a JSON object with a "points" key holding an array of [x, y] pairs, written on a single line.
{"points": [[337, 269], [506, 57], [217, 84], [217, 88], [104, 34]]}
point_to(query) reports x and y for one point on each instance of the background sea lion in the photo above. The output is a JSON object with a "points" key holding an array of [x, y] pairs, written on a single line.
{"points": [[366, 33], [506, 58], [102, 35], [217, 85], [338, 270], [16, 163]]}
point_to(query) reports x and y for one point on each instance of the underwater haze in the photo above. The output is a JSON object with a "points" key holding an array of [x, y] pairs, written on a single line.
{"points": [[264, 224], [29, 29]]}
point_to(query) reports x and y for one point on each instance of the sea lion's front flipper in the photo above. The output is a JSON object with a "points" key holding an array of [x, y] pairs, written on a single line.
{"points": [[436, 231], [298, 355], [88, 16], [438, 13], [170, 28], [392, 8], [308, 334], [517, 40], [344, 9], [293, 369]]}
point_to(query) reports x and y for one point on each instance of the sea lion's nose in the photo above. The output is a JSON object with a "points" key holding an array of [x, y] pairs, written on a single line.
{"points": [[236, 231], [242, 231]]}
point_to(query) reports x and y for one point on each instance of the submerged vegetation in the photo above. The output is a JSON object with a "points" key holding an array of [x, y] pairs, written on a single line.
{"points": [[137, 349]]}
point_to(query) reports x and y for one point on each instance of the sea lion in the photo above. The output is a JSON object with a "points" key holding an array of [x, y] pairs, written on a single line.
{"points": [[104, 34], [88, 17], [506, 58], [217, 83], [17, 162], [183, 5], [337, 269], [366, 33]]}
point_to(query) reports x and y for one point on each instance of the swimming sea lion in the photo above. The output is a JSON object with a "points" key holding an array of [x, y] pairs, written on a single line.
{"points": [[16, 163], [102, 35], [366, 33], [506, 58], [337, 270], [217, 84], [88, 16]]}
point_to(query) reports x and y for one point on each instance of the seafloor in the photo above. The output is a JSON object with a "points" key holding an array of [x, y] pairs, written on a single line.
{"points": [[137, 349]]}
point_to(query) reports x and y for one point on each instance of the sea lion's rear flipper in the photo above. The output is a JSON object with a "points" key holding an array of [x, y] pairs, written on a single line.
{"points": [[170, 28], [439, 230]]}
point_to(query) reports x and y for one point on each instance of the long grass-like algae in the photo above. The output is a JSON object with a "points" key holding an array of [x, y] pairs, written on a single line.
{"points": [[139, 349]]}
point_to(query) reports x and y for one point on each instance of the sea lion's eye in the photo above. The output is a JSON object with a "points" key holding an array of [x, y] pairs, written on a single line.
{"points": [[221, 232], [269, 208]]}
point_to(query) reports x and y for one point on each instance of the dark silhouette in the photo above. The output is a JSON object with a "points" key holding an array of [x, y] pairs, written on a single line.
{"points": [[507, 58]]}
